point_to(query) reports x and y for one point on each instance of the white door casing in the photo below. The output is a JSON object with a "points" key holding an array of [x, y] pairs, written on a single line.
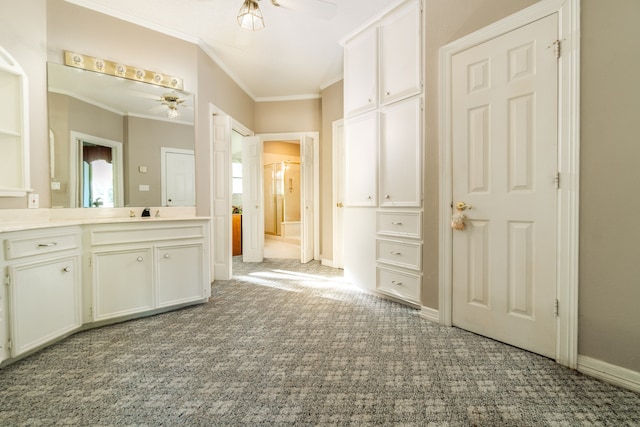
{"points": [[178, 177], [221, 197], [75, 167], [566, 251], [252, 200], [504, 134], [307, 198], [338, 194]]}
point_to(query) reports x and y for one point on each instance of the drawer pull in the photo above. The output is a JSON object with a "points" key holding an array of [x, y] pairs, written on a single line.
{"points": [[140, 259], [47, 245], [396, 253], [166, 256], [66, 269], [393, 282], [396, 223]]}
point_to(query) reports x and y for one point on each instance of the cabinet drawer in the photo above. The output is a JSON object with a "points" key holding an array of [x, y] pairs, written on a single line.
{"points": [[144, 232], [42, 243], [402, 254], [398, 284], [403, 224]]}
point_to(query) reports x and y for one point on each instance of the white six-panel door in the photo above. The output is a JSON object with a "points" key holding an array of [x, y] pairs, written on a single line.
{"points": [[252, 200], [504, 135]]}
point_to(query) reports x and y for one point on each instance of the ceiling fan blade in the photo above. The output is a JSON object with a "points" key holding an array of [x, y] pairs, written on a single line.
{"points": [[323, 9]]}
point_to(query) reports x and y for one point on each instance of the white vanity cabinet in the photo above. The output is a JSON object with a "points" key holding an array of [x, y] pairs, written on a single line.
{"points": [[144, 266], [180, 273], [122, 282], [43, 278]]}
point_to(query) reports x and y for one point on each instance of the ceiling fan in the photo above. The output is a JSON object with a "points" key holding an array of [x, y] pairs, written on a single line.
{"points": [[250, 16], [172, 101]]}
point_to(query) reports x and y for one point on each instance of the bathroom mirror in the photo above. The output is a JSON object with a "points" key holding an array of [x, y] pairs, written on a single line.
{"points": [[116, 142]]}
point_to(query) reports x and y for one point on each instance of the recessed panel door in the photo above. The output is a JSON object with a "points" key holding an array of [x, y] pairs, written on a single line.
{"points": [[505, 161]]}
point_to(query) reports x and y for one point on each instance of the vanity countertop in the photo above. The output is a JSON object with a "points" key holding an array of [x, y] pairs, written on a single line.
{"points": [[28, 219]]}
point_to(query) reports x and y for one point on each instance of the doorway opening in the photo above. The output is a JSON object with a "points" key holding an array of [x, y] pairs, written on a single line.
{"points": [[282, 210]]}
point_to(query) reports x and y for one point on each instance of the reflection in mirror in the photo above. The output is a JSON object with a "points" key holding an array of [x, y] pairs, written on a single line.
{"points": [[117, 142]]}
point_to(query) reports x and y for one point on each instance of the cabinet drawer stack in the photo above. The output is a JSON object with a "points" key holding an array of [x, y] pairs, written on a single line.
{"points": [[383, 134], [399, 254]]}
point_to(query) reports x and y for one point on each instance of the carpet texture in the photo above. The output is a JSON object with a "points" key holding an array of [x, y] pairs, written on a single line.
{"points": [[290, 344]]}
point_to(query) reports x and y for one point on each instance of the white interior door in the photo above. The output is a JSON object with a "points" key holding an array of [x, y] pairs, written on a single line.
{"points": [[338, 194], [221, 198], [505, 135], [252, 200], [306, 198], [178, 177]]}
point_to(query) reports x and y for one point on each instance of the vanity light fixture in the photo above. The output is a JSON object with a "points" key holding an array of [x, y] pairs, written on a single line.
{"points": [[250, 16], [111, 68]]}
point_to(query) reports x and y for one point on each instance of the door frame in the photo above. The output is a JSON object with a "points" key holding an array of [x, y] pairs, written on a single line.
{"points": [[568, 155], [224, 177], [297, 136], [338, 182], [75, 157]]}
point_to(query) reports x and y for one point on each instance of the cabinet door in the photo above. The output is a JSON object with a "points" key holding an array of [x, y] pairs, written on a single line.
{"points": [[180, 274], [45, 302], [400, 54], [361, 148], [361, 73], [401, 154], [122, 282]]}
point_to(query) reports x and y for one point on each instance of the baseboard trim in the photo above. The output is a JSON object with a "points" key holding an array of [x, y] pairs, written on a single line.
{"points": [[327, 262], [430, 314], [607, 372]]}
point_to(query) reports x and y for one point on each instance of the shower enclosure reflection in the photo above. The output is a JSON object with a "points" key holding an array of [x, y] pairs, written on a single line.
{"points": [[282, 199]]}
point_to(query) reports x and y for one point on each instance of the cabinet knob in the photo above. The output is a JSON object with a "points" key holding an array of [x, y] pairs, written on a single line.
{"points": [[166, 256], [369, 198], [66, 269], [387, 93], [396, 223], [393, 282], [387, 196], [369, 100], [140, 259], [396, 253]]}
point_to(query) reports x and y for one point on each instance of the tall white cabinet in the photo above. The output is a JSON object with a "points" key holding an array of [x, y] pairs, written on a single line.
{"points": [[383, 99]]}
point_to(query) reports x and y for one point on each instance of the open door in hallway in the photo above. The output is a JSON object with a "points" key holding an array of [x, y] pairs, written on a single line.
{"points": [[252, 200]]}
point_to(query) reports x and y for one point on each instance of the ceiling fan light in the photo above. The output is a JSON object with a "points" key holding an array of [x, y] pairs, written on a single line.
{"points": [[250, 16], [173, 113]]}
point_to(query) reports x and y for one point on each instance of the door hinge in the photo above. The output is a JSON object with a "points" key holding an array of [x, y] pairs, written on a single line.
{"points": [[7, 280], [557, 48], [556, 307], [9, 344], [556, 180]]}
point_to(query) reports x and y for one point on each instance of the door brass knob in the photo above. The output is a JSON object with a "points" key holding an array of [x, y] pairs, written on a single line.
{"points": [[340, 205], [461, 206]]}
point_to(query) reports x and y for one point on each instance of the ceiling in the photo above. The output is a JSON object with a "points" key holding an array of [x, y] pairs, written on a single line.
{"points": [[294, 56]]}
